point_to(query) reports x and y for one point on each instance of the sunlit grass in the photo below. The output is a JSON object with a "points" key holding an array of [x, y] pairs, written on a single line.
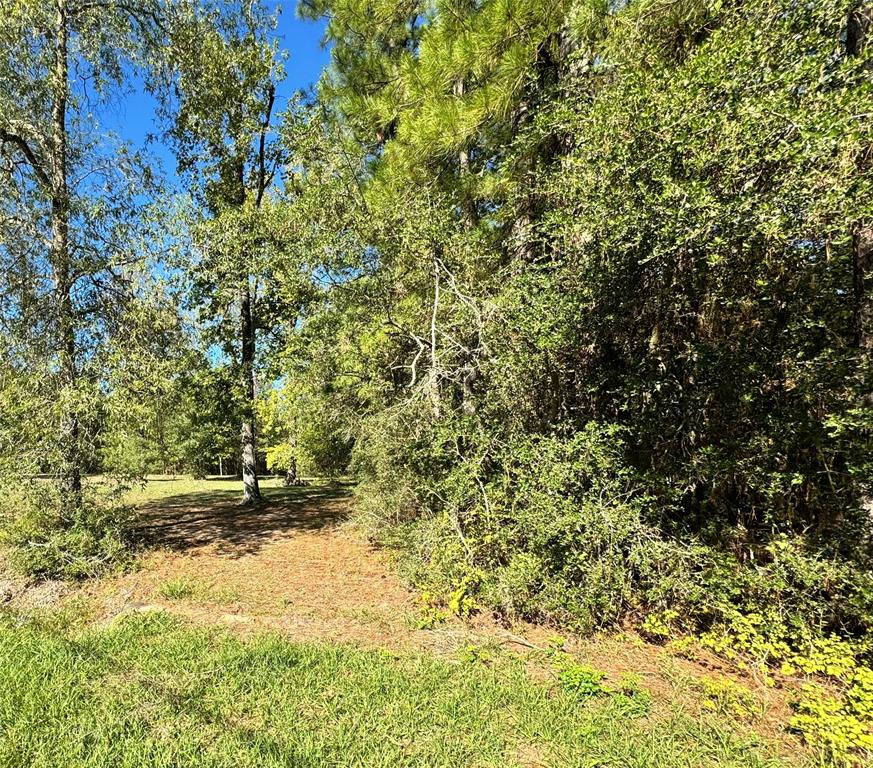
{"points": [[157, 487], [149, 691], [179, 589]]}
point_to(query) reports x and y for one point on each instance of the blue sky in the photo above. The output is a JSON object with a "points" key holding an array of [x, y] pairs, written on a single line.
{"points": [[132, 117]]}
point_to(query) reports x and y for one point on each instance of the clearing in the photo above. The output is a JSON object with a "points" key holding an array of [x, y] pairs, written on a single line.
{"points": [[276, 636]]}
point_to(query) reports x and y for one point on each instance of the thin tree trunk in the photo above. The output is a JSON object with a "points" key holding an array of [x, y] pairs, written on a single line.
{"points": [[862, 248], [469, 213], [858, 28], [251, 490], [858, 31], [433, 381], [71, 471], [291, 474]]}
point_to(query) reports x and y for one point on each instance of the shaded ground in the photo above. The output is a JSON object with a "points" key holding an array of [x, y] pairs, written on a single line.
{"points": [[289, 564], [215, 518]]}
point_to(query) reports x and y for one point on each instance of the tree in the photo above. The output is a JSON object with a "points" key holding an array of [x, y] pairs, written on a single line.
{"points": [[220, 96], [638, 230], [166, 406], [62, 293]]}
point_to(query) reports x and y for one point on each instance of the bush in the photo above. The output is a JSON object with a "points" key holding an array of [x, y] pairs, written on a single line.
{"points": [[558, 533], [559, 529], [573, 544], [44, 535]]}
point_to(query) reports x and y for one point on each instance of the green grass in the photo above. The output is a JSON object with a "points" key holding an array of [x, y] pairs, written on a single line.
{"points": [[158, 487], [149, 691], [184, 588], [179, 589]]}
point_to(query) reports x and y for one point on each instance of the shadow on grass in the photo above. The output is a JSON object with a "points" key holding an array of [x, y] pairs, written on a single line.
{"points": [[217, 518]]}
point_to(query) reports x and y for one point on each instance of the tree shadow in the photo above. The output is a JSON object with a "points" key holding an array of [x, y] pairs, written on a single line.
{"points": [[217, 518]]}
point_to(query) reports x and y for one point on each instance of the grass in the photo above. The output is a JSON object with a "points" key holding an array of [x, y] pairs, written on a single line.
{"points": [[184, 588], [151, 691], [179, 589], [158, 487]]}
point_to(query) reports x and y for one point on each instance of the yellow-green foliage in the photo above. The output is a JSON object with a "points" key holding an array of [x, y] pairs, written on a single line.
{"points": [[726, 696], [475, 654], [837, 719], [436, 607], [840, 722], [431, 614], [582, 681], [841, 726], [831, 656], [761, 638], [860, 694], [658, 625], [461, 601]]}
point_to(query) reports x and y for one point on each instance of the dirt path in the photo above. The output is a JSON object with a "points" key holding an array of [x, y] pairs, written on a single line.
{"points": [[291, 565]]}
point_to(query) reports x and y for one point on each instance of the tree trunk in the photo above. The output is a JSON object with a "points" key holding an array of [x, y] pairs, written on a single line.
{"points": [[251, 490], [433, 374], [469, 213], [858, 30], [291, 478], [862, 251], [71, 470]]}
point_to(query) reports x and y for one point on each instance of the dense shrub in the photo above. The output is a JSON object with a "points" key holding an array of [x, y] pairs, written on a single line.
{"points": [[563, 531], [45, 535]]}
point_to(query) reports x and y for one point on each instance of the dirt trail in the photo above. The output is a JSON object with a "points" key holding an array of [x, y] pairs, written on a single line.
{"points": [[292, 565]]}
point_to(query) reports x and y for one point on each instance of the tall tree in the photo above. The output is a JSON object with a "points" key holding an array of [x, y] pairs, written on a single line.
{"points": [[61, 291], [670, 237], [221, 98]]}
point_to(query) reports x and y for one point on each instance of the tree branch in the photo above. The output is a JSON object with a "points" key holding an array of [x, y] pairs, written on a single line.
{"points": [[262, 146], [13, 138]]}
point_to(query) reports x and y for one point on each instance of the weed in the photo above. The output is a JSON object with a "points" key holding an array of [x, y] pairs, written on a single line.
{"points": [[180, 589], [579, 680], [461, 602], [475, 654], [631, 697], [430, 614], [728, 697]]}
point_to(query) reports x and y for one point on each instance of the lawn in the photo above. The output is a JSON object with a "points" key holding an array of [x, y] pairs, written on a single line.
{"points": [[148, 690], [158, 487]]}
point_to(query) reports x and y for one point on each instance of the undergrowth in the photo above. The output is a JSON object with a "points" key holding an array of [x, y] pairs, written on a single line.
{"points": [[565, 534], [43, 534]]}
